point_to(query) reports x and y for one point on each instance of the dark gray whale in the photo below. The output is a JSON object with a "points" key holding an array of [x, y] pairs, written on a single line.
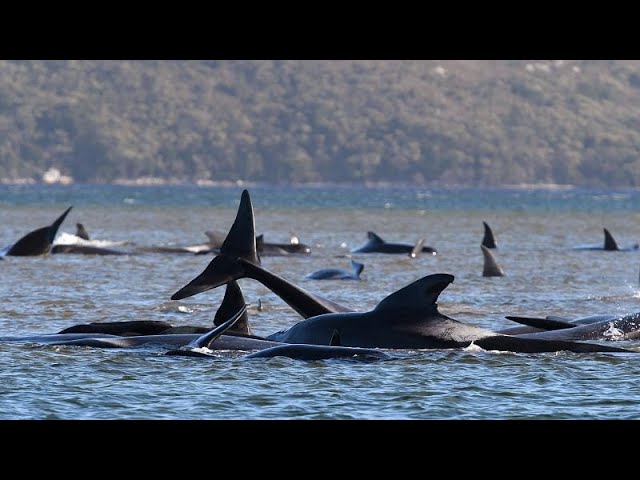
{"points": [[610, 245], [595, 327], [238, 258], [409, 319], [375, 244], [338, 274], [37, 242]]}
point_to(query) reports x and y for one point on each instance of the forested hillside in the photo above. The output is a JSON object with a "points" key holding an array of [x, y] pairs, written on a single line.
{"points": [[424, 122]]}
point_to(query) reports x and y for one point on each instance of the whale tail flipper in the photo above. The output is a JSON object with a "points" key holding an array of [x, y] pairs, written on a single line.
{"points": [[357, 268], [542, 323], [232, 302], [507, 343], [240, 243], [488, 240], [38, 242], [491, 267], [208, 338], [609, 243], [417, 249]]}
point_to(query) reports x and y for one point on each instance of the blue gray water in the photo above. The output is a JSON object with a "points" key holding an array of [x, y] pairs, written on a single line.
{"points": [[535, 231]]}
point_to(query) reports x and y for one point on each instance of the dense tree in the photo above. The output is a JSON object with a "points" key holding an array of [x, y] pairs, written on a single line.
{"points": [[425, 122]]}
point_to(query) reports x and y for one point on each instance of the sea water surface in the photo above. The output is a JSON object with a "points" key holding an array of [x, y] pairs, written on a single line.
{"points": [[535, 232]]}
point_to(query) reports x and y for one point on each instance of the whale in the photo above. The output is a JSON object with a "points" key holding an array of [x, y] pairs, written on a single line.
{"points": [[202, 347], [238, 258], [233, 300], [338, 274], [85, 250], [488, 240], [37, 242], [594, 327], [376, 244], [409, 319], [216, 240], [610, 245], [265, 248], [491, 267], [124, 328]]}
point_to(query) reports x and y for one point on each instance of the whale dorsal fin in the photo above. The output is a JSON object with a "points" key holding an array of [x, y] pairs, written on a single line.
{"points": [[491, 267], [488, 240], [335, 339], [241, 239], [374, 238], [209, 337], [81, 232], [541, 323], [357, 268], [609, 242], [232, 302], [421, 294]]}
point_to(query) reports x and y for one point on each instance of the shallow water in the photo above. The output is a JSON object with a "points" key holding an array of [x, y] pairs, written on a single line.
{"points": [[535, 231]]}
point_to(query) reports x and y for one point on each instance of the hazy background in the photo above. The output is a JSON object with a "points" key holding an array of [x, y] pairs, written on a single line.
{"points": [[423, 122]]}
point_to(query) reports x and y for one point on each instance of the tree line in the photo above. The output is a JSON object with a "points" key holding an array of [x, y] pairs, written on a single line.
{"points": [[419, 122]]}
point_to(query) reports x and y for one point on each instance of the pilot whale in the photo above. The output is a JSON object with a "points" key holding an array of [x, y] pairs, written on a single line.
{"points": [[216, 240], [610, 245], [37, 242], [233, 300], [594, 327], [376, 244], [202, 347], [417, 323], [238, 258], [409, 318], [338, 274]]}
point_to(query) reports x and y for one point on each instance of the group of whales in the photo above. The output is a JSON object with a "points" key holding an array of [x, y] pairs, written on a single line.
{"points": [[407, 319]]}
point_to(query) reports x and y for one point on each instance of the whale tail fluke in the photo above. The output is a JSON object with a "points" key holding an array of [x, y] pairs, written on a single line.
{"points": [[491, 267], [38, 242]]}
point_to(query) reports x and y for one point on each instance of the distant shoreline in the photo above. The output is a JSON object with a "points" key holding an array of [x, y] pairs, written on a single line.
{"points": [[154, 182]]}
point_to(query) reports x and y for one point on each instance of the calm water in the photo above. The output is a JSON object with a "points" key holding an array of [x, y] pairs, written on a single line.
{"points": [[535, 231]]}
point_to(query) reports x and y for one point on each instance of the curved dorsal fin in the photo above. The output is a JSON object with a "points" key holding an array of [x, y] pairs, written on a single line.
{"points": [[374, 238], [491, 267], [233, 301], [241, 239], [335, 339], [488, 240], [421, 294], [609, 243], [357, 268]]}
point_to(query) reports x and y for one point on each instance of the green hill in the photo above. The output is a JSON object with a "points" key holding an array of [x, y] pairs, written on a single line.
{"points": [[425, 122]]}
